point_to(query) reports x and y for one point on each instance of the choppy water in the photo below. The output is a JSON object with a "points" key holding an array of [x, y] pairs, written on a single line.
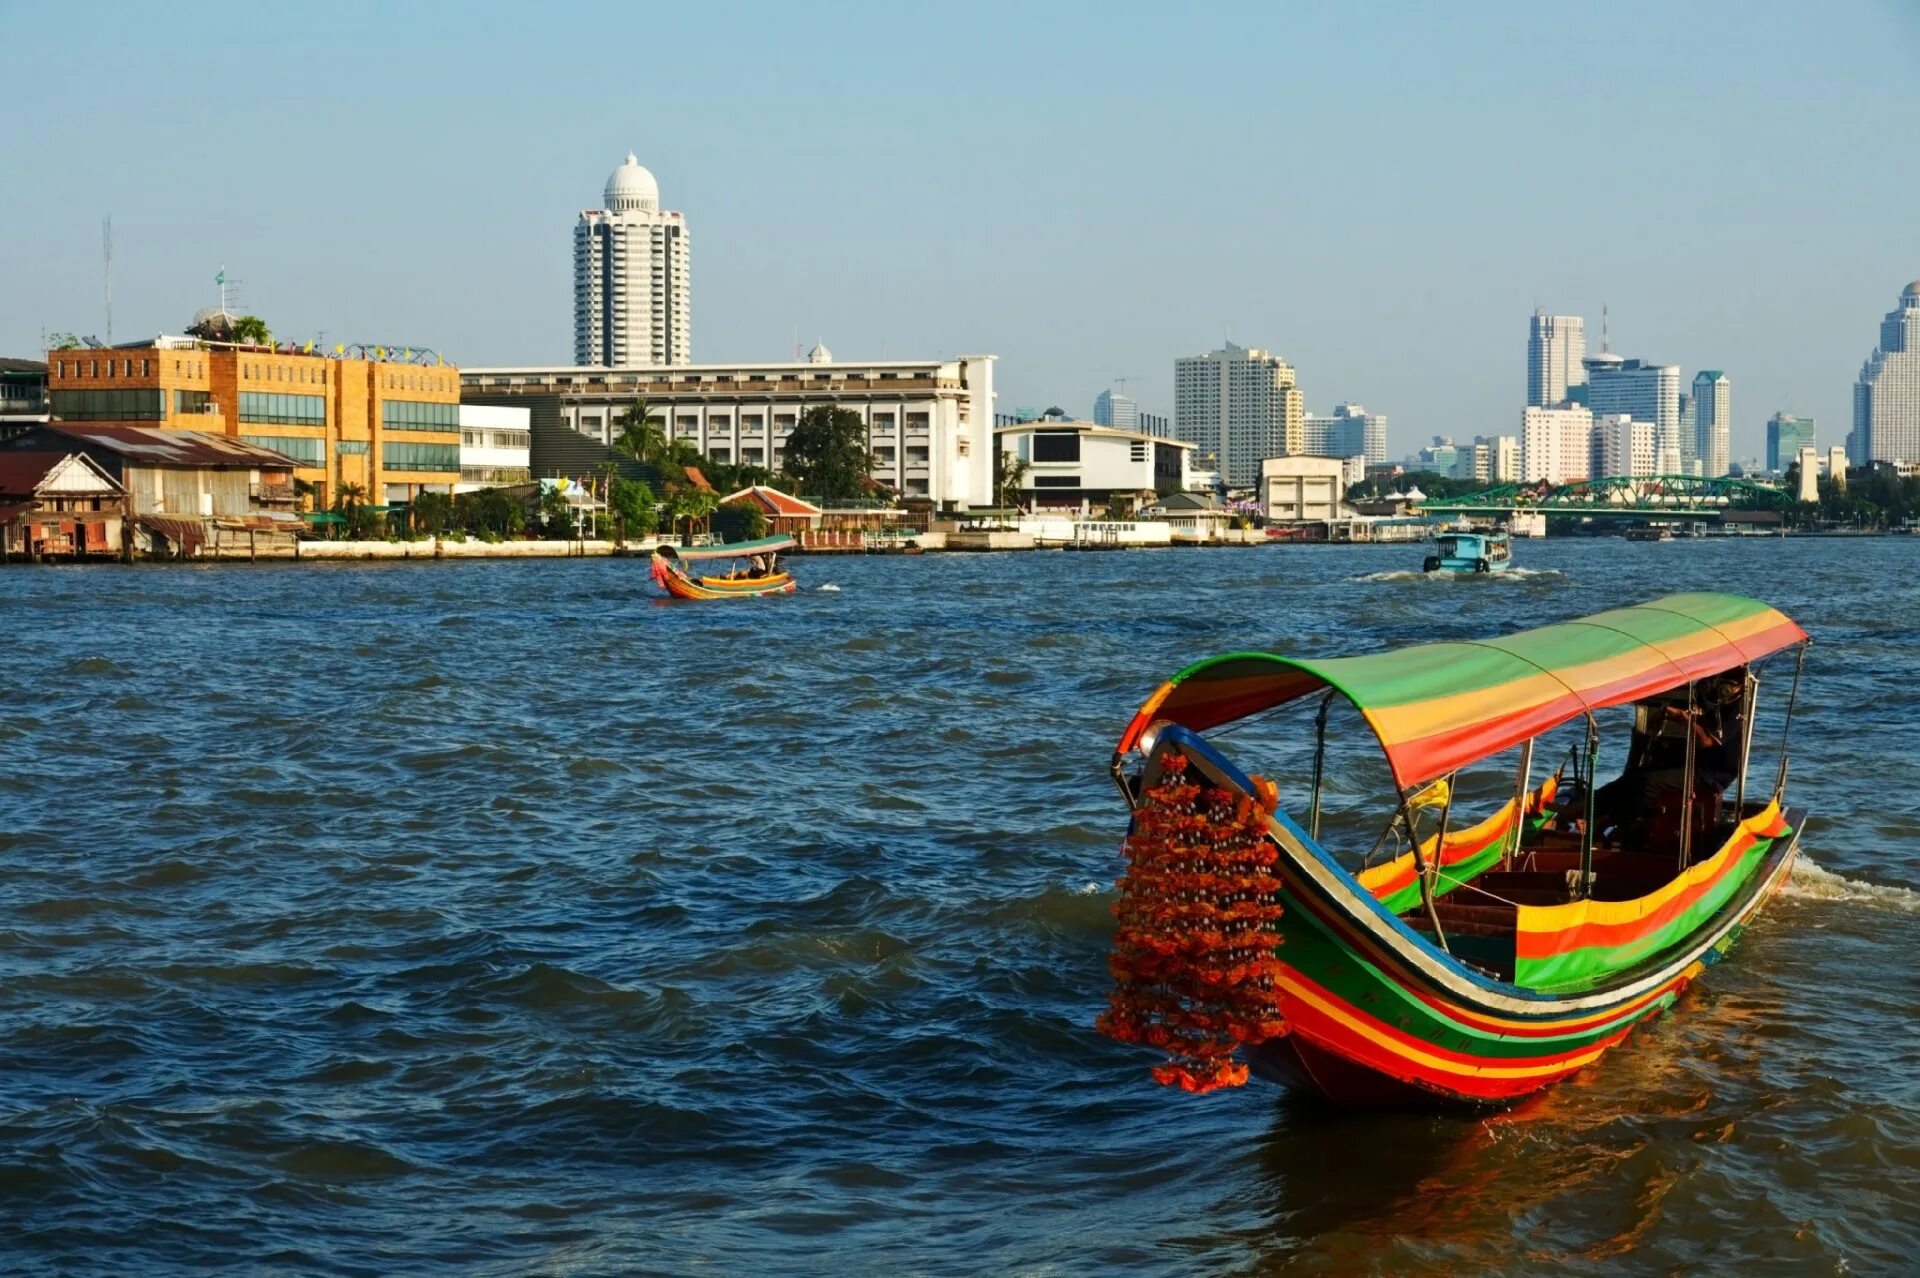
{"points": [[498, 917]]}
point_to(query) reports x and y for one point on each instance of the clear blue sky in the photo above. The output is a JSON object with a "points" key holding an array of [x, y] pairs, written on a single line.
{"points": [[1380, 192]]}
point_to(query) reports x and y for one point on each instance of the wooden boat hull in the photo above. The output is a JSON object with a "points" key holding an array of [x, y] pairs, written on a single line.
{"points": [[1379, 1016], [679, 587]]}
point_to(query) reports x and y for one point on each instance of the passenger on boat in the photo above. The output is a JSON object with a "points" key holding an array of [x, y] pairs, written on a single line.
{"points": [[1657, 768]]}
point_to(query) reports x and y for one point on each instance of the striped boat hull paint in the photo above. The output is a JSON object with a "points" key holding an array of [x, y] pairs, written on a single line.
{"points": [[1467, 853], [1572, 946], [1371, 1029], [752, 588]]}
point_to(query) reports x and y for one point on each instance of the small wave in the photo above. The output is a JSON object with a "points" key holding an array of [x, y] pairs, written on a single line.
{"points": [[1810, 881], [828, 589], [1511, 574]]}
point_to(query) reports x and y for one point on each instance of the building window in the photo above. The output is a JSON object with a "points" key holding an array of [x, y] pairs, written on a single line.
{"points": [[109, 405], [283, 410], [1055, 481], [1056, 446], [351, 448], [189, 401], [308, 452], [411, 456], [407, 414]]}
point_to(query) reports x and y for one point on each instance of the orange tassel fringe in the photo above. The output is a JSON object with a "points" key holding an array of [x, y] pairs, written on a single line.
{"points": [[1193, 958]]}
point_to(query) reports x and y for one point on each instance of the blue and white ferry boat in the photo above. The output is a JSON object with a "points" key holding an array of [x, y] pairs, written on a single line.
{"points": [[1471, 550]]}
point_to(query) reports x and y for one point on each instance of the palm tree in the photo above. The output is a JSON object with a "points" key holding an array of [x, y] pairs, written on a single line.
{"points": [[641, 436]]}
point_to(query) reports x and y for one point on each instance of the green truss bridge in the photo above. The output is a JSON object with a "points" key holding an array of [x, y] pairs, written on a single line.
{"points": [[1635, 496]]}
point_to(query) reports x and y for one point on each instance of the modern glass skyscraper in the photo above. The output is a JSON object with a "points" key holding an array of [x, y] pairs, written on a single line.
{"points": [[1238, 406], [1556, 345], [1713, 422], [631, 292], [1786, 436], [1110, 408], [1351, 432], [1886, 399], [1645, 392]]}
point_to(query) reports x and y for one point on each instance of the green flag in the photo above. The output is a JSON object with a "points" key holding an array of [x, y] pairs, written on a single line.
{"points": [[221, 278]]}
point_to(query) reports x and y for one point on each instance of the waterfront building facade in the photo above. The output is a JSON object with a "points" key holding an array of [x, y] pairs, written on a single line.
{"points": [[929, 422], [1303, 489], [1622, 446], [1786, 436], [1556, 347], [23, 392], [1643, 391], [495, 447], [1111, 408], [1886, 398], [1713, 422], [1238, 406], [385, 427], [1083, 465], [632, 288], [1556, 444]]}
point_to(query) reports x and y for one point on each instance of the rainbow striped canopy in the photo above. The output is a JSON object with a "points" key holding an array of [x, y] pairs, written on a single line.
{"points": [[1439, 706]]}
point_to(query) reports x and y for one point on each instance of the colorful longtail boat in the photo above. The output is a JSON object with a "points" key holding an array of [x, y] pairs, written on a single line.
{"points": [[1492, 957], [756, 570]]}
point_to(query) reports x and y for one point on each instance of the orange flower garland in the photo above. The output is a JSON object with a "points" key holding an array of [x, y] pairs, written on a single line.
{"points": [[1193, 962]]}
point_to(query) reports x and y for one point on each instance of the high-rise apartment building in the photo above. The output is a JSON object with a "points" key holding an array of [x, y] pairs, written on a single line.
{"points": [[1111, 408], [1786, 436], [1713, 422], [1490, 459], [632, 302], [1556, 444], [1350, 432], [1237, 405], [1886, 399], [1556, 347], [1622, 446], [1640, 390]]}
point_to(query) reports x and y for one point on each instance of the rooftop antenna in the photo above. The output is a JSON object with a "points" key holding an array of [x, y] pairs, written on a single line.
{"points": [[1604, 348], [106, 253]]}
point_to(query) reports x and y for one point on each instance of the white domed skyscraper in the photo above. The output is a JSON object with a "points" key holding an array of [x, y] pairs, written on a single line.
{"points": [[631, 282], [1886, 399]]}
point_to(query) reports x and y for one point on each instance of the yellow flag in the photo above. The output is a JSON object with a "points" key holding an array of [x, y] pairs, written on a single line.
{"points": [[1436, 795], [339, 348], [309, 348], [407, 353]]}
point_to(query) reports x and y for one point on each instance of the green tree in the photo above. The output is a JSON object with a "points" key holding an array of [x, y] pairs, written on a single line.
{"points": [[827, 453], [1009, 474], [686, 506], [640, 434], [753, 520], [556, 515], [630, 502], [252, 331], [433, 513], [62, 342]]}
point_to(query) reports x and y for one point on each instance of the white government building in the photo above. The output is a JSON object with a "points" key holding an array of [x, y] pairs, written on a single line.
{"points": [[929, 422], [495, 447], [1079, 466], [632, 301]]}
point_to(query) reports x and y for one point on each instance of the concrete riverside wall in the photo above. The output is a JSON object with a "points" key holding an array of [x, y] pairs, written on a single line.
{"points": [[426, 548]]}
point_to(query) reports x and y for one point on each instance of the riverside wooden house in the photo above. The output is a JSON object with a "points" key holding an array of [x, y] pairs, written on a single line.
{"points": [[55, 503]]}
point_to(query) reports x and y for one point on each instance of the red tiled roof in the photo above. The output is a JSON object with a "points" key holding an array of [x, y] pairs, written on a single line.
{"points": [[774, 502]]}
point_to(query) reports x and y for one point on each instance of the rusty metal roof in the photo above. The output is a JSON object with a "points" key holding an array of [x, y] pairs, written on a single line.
{"points": [[159, 446], [21, 473]]}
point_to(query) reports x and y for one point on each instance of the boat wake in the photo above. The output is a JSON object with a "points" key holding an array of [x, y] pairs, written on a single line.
{"points": [[1511, 574], [828, 589], [1813, 882]]}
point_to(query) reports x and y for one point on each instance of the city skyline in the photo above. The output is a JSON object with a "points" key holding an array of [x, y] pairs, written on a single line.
{"points": [[1408, 300]]}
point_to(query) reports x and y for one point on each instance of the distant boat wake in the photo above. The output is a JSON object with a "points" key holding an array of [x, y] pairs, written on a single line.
{"points": [[829, 588], [1813, 882], [1511, 574]]}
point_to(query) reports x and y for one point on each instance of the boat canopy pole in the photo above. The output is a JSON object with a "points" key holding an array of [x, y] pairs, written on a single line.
{"points": [[1780, 782], [1686, 780], [1586, 831], [1750, 695], [1521, 781], [1319, 764], [1420, 862]]}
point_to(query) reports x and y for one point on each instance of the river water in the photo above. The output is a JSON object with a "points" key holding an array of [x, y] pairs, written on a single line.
{"points": [[499, 917]]}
